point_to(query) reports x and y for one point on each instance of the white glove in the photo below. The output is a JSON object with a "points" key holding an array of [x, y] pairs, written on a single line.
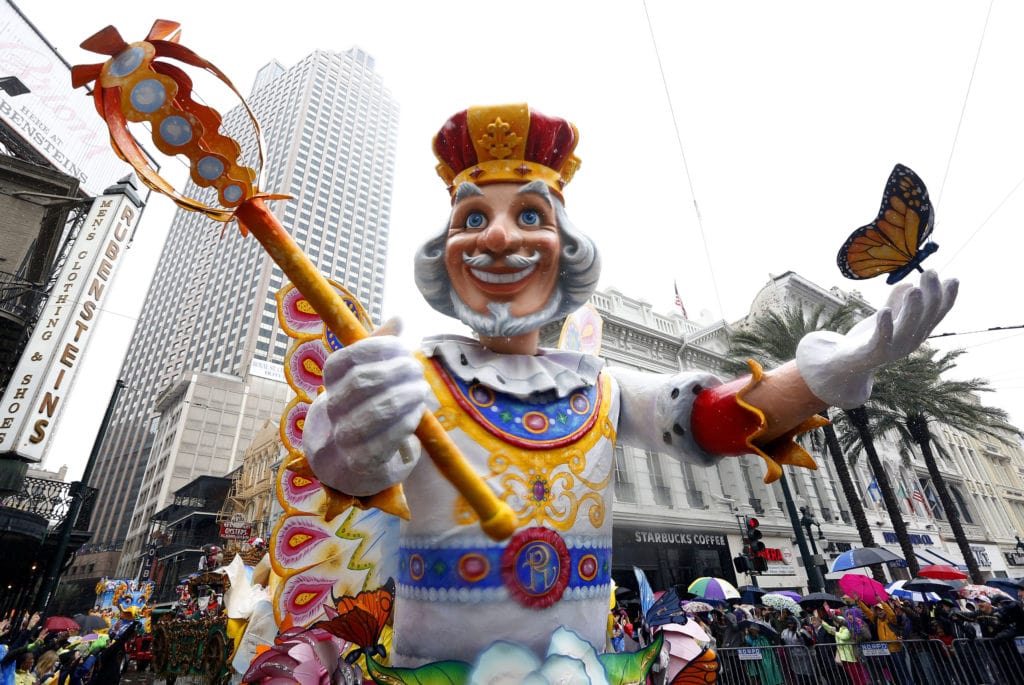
{"points": [[358, 432], [839, 369]]}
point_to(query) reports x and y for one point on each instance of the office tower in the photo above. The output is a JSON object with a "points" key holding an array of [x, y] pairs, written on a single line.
{"points": [[203, 371]]}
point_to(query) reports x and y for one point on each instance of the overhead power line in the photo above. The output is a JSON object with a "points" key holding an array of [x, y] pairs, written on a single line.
{"points": [[980, 330]]}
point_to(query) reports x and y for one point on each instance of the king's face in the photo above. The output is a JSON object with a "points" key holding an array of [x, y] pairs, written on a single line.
{"points": [[503, 246]]}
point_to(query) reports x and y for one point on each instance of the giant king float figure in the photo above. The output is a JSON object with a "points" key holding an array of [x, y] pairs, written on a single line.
{"points": [[539, 425]]}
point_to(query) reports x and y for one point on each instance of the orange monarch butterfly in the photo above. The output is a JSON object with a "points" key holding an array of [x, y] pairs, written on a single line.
{"points": [[361, 619], [895, 242], [702, 670]]}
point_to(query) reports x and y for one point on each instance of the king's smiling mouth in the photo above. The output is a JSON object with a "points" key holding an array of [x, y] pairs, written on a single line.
{"points": [[502, 278]]}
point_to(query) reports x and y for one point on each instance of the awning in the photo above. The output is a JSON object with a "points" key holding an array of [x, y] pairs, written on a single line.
{"points": [[930, 556], [926, 557]]}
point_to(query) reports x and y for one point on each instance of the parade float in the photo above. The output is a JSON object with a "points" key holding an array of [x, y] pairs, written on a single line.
{"points": [[498, 548], [123, 602]]}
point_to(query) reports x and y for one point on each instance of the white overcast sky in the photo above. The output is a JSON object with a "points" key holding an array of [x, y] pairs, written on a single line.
{"points": [[789, 116]]}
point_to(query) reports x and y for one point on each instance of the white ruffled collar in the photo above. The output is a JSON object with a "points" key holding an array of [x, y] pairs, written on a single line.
{"points": [[551, 371]]}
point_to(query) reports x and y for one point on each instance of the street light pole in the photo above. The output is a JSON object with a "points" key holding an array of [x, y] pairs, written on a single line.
{"points": [[814, 579], [77, 492], [807, 520]]}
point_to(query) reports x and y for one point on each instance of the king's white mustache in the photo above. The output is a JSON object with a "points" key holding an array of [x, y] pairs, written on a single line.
{"points": [[514, 261]]}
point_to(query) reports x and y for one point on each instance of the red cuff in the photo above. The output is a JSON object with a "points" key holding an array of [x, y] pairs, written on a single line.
{"points": [[725, 424]]}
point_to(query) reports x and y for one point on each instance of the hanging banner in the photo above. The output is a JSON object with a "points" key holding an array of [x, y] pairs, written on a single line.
{"points": [[34, 397]]}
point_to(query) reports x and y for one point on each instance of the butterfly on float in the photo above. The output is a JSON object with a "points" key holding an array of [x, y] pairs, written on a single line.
{"points": [[896, 242], [361, 619]]}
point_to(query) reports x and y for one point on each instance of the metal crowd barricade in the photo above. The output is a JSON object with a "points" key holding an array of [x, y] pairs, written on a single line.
{"points": [[914, 662]]}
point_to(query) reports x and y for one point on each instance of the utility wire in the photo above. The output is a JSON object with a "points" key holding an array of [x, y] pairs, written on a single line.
{"points": [[686, 166], [980, 330], [963, 107]]}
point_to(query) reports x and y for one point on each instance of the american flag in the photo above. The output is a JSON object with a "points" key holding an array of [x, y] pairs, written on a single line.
{"points": [[679, 301], [919, 496]]}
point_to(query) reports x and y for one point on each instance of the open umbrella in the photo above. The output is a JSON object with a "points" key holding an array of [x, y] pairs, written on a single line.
{"points": [[897, 589], [863, 587], [920, 584], [863, 556], [1009, 585], [695, 606], [779, 601], [665, 609], [765, 629], [55, 624], [89, 622], [795, 596], [707, 587], [682, 643], [815, 600], [750, 594], [975, 591], [942, 572]]}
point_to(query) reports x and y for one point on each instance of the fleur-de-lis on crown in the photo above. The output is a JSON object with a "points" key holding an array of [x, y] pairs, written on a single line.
{"points": [[499, 139]]}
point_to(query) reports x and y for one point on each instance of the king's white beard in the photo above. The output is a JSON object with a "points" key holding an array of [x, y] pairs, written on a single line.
{"points": [[500, 322]]}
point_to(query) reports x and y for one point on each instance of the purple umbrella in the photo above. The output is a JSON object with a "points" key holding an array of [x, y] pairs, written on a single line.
{"points": [[788, 593]]}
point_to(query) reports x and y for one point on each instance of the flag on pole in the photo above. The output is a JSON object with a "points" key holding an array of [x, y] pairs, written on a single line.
{"points": [[646, 592], [679, 301], [874, 491], [919, 496], [904, 495]]}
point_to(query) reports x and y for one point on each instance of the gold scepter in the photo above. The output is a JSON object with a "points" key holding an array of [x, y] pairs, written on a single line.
{"points": [[134, 85]]}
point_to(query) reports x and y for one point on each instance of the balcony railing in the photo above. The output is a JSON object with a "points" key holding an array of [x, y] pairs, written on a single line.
{"points": [[18, 297], [51, 499]]}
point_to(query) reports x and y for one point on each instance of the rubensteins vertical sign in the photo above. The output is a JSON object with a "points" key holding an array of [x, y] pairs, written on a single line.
{"points": [[36, 393]]}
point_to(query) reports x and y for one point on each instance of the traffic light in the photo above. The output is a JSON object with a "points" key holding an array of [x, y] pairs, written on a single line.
{"points": [[742, 564], [754, 536], [759, 564]]}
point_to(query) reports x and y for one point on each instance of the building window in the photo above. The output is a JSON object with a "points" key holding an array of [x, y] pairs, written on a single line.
{"points": [[662, 496], [625, 489]]}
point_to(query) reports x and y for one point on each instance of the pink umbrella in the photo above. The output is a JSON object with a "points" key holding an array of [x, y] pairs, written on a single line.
{"points": [[682, 643], [863, 587]]}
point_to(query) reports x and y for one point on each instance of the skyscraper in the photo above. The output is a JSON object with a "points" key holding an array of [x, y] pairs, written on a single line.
{"points": [[200, 370]]}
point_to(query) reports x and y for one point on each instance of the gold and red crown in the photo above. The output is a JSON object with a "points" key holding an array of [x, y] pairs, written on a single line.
{"points": [[506, 143]]}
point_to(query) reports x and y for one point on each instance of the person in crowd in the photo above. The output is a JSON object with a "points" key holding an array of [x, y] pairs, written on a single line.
{"points": [[23, 673], [618, 636], [765, 670], [798, 656], [1011, 618], [846, 648], [46, 665], [888, 628]]}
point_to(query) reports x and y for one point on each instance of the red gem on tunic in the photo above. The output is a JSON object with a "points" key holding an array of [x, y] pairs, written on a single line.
{"points": [[535, 422], [474, 567], [587, 567]]}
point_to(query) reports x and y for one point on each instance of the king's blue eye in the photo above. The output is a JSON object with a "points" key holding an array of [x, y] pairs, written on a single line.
{"points": [[529, 217], [475, 220]]}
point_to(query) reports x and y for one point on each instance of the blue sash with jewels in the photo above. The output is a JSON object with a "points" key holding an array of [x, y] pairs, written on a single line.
{"points": [[525, 424]]}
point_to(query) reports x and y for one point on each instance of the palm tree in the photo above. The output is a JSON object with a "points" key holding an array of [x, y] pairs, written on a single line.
{"points": [[772, 337], [911, 393], [861, 422]]}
